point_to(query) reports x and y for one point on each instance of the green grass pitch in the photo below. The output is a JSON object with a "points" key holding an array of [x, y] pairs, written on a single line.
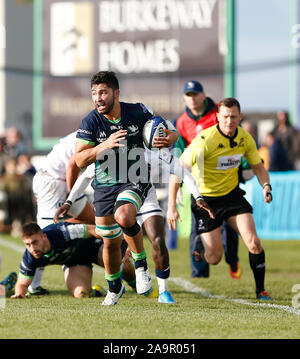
{"points": [[217, 307]]}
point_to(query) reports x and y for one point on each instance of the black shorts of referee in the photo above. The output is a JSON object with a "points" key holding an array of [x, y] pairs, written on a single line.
{"points": [[223, 207]]}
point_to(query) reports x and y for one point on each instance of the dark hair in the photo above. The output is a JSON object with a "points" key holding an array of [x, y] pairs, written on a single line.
{"points": [[30, 228], [229, 102], [287, 117], [107, 77]]}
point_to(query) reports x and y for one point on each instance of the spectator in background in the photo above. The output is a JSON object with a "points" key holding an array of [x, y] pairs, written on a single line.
{"points": [[287, 134], [251, 128], [297, 151], [3, 195], [264, 153], [27, 170], [25, 166], [273, 154], [16, 187], [16, 172], [3, 156], [14, 147]]}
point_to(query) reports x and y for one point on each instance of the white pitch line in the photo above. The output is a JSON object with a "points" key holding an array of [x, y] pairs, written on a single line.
{"points": [[190, 287], [8, 244], [184, 283]]}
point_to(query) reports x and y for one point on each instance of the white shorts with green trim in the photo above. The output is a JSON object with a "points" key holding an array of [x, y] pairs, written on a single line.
{"points": [[150, 207]]}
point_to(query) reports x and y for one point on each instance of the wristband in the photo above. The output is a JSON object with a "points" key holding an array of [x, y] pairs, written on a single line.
{"points": [[69, 203], [200, 197], [267, 184]]}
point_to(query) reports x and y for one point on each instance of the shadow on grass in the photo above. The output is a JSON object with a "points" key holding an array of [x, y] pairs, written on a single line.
{"points": [[54, 292]]}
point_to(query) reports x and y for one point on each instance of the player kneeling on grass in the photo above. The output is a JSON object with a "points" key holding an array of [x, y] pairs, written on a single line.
{"points": [[214, 157], [75, 246]]}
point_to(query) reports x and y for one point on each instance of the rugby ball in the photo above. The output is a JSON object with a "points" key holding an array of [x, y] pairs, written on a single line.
{"points": [[154, 127]]}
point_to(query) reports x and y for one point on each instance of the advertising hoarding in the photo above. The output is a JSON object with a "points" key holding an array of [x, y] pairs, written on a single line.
{"points": [[154, 46]]}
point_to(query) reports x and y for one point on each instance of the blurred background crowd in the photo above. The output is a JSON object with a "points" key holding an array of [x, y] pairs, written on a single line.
{"points": [[16, 172]]}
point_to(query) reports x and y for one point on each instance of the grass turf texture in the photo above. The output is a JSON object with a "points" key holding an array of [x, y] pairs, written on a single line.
{"points": [[194, 316]]}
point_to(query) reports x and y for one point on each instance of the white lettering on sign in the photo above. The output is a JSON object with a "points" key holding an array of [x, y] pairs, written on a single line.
{"points": [[157, 15], [137, 57]]}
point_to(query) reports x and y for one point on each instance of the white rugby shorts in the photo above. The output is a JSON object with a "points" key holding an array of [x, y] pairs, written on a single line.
{"points": [[50, 194], [149, 208]]}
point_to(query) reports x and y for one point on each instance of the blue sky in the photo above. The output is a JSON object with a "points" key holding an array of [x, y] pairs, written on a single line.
{"points": [[263, 48]]}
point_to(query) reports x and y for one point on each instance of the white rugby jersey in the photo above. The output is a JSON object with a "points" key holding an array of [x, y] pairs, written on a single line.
{"points": [[57, 160]]}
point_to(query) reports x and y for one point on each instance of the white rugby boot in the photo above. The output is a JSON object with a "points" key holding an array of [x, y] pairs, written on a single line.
{"points": [[143, 280], [112, 298]]}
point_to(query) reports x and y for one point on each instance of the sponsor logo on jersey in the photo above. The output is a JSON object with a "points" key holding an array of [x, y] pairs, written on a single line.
{"points": [[133, 128], [102, 136], [84, 131], [227, 162]]}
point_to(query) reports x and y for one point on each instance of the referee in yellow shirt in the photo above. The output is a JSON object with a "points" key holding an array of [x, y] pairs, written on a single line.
{"points": [[214, 157]]}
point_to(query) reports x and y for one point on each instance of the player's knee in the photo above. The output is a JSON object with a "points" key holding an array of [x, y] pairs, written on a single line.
{"points": [[124, 219], [254, 245], [81, 292], [215, 260], [126, 216], [158, 243], [213, 257]]}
